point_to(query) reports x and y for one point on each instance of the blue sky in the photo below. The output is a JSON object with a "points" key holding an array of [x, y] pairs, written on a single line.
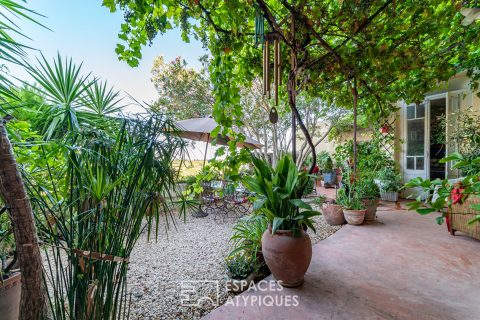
{"points": [[87, 32]]}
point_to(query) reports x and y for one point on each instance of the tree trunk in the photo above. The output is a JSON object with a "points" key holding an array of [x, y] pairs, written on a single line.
{"points": [[355, 102], [12, 192]]}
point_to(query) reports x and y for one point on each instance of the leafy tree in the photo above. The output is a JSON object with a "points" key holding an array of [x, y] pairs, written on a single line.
{"points": [[358, 54], [183, 92]]}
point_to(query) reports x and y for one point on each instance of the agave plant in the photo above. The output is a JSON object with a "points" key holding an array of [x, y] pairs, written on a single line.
{"points": [[90, 228], [278, 192]]}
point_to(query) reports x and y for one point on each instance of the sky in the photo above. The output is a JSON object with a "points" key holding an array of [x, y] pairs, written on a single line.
{"points": [[87, 32]]}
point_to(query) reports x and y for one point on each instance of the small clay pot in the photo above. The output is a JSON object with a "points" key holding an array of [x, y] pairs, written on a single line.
{"points": [[238, 286], [371, 209], [354, 217], [333, 214], [287, 257]]}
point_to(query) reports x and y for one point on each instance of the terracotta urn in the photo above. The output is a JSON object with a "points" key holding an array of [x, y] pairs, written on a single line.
{"points": [[371, 209], [333, 214], [287, 257], [355, 217]]}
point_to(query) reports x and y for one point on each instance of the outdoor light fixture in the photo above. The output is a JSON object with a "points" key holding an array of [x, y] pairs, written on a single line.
{"points": [[471, 11]]}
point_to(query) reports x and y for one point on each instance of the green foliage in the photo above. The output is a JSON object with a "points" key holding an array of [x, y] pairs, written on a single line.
{"points": [[464, 133], [111, 184], [183, 92], [247, 238], [11, 50], [470, 187], [325, 162], [367, 188], [371, 155], [389, 179], [320, 200], [7, 241], [278, 192], [349, 200], [350, 195], [395, 49], [239, 266], [62, 86], [310, 186]]}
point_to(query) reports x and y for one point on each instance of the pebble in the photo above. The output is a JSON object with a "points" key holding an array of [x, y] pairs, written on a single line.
{"points": [[193, 251]]}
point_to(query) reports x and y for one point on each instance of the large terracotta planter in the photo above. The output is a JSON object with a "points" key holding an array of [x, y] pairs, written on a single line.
{"points": [[10, 291], [355, 217], [371, 209], [286, 256], [333, 214]]}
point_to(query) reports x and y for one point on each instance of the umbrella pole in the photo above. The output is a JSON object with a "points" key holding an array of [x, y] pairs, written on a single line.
{"points": [[206, 149]]}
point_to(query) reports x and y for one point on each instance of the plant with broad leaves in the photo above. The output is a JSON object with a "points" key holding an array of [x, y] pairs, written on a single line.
{"points": [[436, 195], [278, 192]]}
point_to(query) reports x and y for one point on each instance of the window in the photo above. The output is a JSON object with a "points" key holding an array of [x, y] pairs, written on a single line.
{"points": [[416, 137]]}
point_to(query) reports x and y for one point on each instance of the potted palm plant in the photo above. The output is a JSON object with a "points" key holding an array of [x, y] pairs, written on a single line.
{"points": [[286, 246]]}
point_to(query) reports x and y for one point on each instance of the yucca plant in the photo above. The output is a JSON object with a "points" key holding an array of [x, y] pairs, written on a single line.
{"points": [[278, 192], [63, 85], [90, 228], [102, 100]]}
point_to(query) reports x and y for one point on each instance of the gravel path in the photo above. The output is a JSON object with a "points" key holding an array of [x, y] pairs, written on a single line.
{"points": [[194, 251]]}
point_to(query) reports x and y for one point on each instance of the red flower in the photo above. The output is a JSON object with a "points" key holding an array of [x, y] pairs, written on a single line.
{"points": [[384, 129], [456, 195]]}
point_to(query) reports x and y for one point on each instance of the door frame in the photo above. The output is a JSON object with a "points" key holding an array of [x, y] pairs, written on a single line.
{"points": [[425, 173]]}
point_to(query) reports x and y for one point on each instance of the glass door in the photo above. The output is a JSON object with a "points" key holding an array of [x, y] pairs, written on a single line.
{"points": [[415, 139]]}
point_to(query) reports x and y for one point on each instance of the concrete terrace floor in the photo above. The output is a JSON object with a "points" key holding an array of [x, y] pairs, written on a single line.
{"points": [[404, 266]]}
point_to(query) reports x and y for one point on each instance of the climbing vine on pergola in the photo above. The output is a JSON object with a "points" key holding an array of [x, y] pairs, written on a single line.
{"points": [[362, 54]]}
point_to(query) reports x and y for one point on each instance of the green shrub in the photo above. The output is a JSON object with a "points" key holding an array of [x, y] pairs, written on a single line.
{"points": [[247, 237], [239, 266], [310, 186], [390, 179]]}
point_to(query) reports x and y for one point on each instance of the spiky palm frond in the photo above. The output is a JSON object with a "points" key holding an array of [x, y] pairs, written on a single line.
{"points": [[63, 85]]}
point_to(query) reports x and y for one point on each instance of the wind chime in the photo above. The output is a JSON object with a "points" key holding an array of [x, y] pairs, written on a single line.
{"points": [[267, 40]]}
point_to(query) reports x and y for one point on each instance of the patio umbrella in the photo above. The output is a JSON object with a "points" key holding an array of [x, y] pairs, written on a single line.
{"points": [[200, 129]]}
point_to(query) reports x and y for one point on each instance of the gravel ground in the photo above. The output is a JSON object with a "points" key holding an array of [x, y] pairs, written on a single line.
{"points": [[195, 251]]}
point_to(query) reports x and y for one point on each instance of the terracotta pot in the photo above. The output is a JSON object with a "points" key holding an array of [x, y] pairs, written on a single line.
{"points": [[333, 214], [10, 291], [354, 216], [238, 286], [287, 257], [371, 209]]}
